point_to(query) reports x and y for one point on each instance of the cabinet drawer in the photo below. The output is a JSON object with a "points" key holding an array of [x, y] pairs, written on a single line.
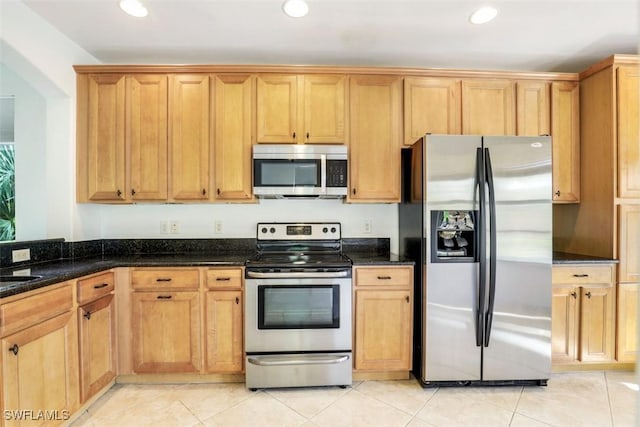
{"points": [[224, 278], [165, 279], [94, 287], [583, 274], [29, 311], [389, 276]]}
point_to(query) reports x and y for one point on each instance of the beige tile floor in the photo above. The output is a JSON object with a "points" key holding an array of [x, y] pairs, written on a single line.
{"points": [[570, 399]]}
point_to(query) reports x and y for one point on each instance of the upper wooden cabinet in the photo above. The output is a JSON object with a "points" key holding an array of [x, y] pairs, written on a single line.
{"points": [[488, 107], [301, 109], [376, 138], [101, 137], [628, 132], [189, 136], [628, 245], [233, 136], [532, 108], [431, 105], [565, 132], [146, 130]]}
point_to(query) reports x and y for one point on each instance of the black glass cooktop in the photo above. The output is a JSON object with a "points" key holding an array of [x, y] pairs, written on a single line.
{"points": [[287, 260]]}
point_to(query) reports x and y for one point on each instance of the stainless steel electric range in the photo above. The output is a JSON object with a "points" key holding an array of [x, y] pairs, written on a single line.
{"points": [[298, 307]]}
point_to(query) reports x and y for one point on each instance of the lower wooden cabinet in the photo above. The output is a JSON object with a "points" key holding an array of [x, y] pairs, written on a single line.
{"points": [[40, 371], [583, 314], [627, 321], [96, 333], [383, 318], [224, 331], [165, 328]]}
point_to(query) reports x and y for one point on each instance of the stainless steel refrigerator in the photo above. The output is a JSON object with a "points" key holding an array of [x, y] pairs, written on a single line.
{"points": [[476, 217]]}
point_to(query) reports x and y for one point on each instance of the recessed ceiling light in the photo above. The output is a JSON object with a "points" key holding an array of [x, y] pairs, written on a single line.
{"points": [[134, 8], [295, 8], [483, 15]]}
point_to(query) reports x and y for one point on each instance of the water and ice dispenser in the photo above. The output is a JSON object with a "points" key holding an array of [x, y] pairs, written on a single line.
{"points": [[453, 236]]}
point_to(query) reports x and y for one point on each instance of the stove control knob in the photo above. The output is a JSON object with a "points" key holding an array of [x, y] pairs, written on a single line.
{"points": [[333, 229], [325, 229], [272, 230], [264, 230]]}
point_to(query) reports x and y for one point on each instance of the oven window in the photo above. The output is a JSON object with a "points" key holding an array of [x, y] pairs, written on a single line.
{"points": [[298, 307], [287, 173]]}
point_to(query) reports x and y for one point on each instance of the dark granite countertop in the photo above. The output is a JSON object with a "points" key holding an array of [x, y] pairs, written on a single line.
{"points": [[67, 269], [367, 258], [567, 258]]}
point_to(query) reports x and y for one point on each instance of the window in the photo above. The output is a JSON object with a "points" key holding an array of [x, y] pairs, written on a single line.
{"points": [[7, 169]]}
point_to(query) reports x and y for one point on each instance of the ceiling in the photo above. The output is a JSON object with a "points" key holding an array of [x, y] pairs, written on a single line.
{"points": [[536, 35]]}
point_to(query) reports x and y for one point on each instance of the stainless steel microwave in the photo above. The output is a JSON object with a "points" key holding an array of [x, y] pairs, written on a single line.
{"points": [[318, 171]]}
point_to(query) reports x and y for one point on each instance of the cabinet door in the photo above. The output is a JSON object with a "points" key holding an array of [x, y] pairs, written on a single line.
{"points": [[627, 331], [597, 323], [40, 368], [224, 328], [147, 136], [431, 105], [628, 132], [375, 143], [233, 96], [533, 111], [96, 331], [166, 332], [629, 243], [324, 109], [383, 330], [564, 323], [565, 132], [101, 145], [488, 107], [189, 133], [277, 108]]}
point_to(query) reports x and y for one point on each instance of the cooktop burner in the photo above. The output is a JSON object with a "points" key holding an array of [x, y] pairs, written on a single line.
{"points": [[299, 245]]}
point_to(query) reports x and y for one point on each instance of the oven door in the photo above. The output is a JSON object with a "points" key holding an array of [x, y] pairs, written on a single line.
{"points": [[297, 315]]}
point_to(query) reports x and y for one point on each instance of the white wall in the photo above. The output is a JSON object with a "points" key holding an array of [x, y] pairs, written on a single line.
{"points": [[44, 57], [30, 153]]}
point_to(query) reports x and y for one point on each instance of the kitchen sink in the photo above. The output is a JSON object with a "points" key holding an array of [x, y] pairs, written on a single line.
{"points": [[12, 280]]}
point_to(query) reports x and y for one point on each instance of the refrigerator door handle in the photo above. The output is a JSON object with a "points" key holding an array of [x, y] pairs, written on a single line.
{"points": [[492, 247], [481, 235]]}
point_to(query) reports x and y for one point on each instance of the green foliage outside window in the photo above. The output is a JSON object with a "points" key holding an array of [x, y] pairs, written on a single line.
{"points": [[7, 193]]}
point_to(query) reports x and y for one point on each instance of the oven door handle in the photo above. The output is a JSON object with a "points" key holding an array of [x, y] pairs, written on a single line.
{"points": [[297, 360], [297, 274]]}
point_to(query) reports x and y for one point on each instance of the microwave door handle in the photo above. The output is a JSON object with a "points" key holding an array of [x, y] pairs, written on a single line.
{"points": [[323, 174]]}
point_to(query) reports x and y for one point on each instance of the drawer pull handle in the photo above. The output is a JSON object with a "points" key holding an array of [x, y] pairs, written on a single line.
{"points": [[14, 349], [164, 297], [237, 300], [163, 279], [384, 277], [87, 315], [588, 294], [574, 294], [104, 285], [223, 279], [580, 275]]}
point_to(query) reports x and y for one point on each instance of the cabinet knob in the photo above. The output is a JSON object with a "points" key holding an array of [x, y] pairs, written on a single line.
{"points": [[294, 135], [204, 192], [384, 277], [223, 279], [14, 349], [574, 294], [407, 298], [580, 275], [557, 193], [588, 294], [163, 297], [353, 191], [87, 315], [103, 285], [237, 300], [163, 279], [133, 192], [307, 135], [219, 191], [119, 193]]}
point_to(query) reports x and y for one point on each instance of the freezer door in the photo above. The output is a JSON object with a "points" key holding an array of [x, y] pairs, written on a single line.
{"points": [[519, 342], [450, 289]]}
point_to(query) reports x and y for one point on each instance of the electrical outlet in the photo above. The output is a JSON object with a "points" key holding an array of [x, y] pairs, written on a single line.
{"points": [[164, 227], [218, 227], [367, 226], [21, 255], [174, 227]]}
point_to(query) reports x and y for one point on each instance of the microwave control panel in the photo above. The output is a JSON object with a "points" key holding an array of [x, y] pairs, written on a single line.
{"points": [[336, 173]]}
